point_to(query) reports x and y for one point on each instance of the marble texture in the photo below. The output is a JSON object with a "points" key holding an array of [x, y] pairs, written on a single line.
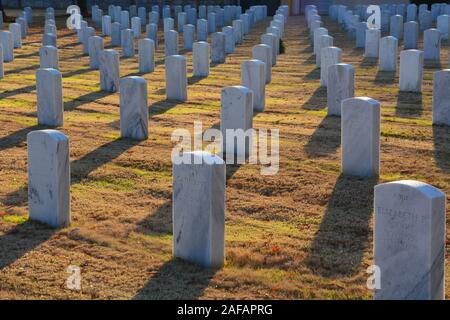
{"points": [[388, 54], [127, 42], [411, 12], [317, 34], [277, 32], [323, 42], [200, 59], [133, 108], [246, 23], [371, 48], [396, 29], [50, 106], [146, 55], [106, 26], [425, 20], [229, 39], [124, 19], [48, 57], [271, 40], [188, 36], [253, 77], [176, 78], [49, 39], [328, 57], [168, 25], [211, 22], [23, 26], [411, 35], [442, 25], [236, 112], [360, 32], [218, 47], [181, 21], [263, 52], [49, 177], [432, 44], [202, 30], [199, 209], [341, 86], [441, 97], [409, 240], [136, 27], [16, 32], [96, 48], [411, 70], [116, 36], [360, 137], [171, 43], [109, 70], [142, 14], [88, 32], [152, 33], [238, 31]]}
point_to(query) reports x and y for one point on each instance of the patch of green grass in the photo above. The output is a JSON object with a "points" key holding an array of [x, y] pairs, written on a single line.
{"points": [[14, 219]]}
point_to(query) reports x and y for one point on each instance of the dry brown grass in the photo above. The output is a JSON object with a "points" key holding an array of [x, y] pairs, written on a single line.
{"points": [[303, 233]]}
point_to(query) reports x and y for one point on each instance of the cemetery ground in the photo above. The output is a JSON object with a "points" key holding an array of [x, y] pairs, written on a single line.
{"points": [[305, 232]]}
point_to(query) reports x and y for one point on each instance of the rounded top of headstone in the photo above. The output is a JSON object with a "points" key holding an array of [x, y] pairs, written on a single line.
{"points": [[51, 48], [135, 79], [253, 61], [426, 189], [242, 89], [176, 57], [48, 70], [205, 158], [51, 133], [359, 102]]}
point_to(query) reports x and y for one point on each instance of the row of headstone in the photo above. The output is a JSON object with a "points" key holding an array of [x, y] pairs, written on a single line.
{"points": [[404, 210]]}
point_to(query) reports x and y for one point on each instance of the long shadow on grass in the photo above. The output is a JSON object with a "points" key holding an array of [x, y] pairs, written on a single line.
{"points": [[313, 74], [368, 62], [409, 104], [21, 239], [17, 137], [176, 279], [441, 139], [84, 99], [162, 106], [326, 138], [11, 93], [384, 77], [338, 247], [318, 100]]}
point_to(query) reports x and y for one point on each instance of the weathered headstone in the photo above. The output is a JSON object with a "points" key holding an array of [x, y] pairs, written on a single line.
{"points": [[152, 33], [388, 54], [124, 19], [50, 108], [49, 177], [396, 29], [441, 97], [188, 36], [317, 34], [106, 26], [360, 136], [200, 59], [411, 70], [411, 35], [432, 44], [443, 23], [202, 30], [328, 57], [15, 30], [133, 108], [171, 43], [263, 52], [211, 22], [199, 209], [218, 47], [109, 71], [324, 42], [341, 86], [252, 77], [136, 27], [271, 40], [49, 39], [238, 31], [176, 80], [409, 241], [360, 30], [48, 56], [146, 55], [372, 43], [127, 42], [229, 39], [116, 34]]}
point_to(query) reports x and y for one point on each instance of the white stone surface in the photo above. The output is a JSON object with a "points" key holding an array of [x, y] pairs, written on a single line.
{"points": [[116, 34], [360, 137], [96, 48], [271, 40], [106, 26], [136, 27], [211, 22], [411, 70], [218, 47], [146, 55], [200, 59], [323, 42], [48, 57], [409, 241], [328, 57], [236, 112], [109, 70], [181, 21], [199, 210], [360, 34], [263, 52], [2, 71], [171, 43], [441, 97], [372, 43], [124, 19], [229, 39], [252, 77], [317, 34], [188, 36], [49, 39], [127, 42], [50, 106], [202, 30], [411, 35], [396, 29], [88, 32], [176, 79], [442, 25], [432, 44], [15, 29], [341, 86], [388, 54], [152, 33], [133, 108], [168, 25], [49, 177], [238, 31]]}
